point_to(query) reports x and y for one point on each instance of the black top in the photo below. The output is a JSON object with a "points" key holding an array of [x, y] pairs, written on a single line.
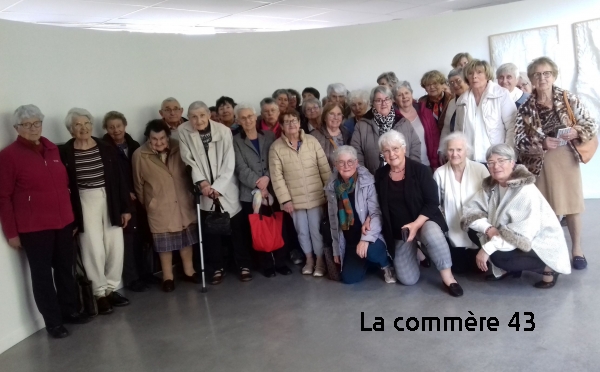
{"points": [[353, 235], [398, 208]]}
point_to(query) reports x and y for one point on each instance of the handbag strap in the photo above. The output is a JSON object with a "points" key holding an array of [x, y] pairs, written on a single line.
{"points": [[260, 213], [217, 205], [569, 109]]}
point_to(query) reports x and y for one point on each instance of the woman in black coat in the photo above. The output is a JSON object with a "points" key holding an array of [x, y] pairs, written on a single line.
{"points": [[409, 202]]}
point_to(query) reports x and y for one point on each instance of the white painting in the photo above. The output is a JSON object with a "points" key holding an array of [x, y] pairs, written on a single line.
{"points": [[587, 51], [521, 47]]}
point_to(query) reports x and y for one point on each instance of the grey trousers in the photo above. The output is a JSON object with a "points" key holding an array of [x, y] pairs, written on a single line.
{"points": [[307, 223], [433, 243]]}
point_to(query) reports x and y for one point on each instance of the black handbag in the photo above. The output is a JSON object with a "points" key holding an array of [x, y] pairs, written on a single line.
{"points": [[87, 300], [325, 230], [218, 221]]}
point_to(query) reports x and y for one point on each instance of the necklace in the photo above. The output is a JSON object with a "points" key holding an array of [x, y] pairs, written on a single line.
{"points": [[400, 171]]}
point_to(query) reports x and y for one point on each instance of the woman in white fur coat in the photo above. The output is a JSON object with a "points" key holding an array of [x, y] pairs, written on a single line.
{"points": [[520, 230], [458, 180]]}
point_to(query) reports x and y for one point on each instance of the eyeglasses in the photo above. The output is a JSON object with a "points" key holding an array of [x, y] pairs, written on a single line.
{"points": [[545, 74], [170, 110], [499, 162], [35, 124], [455, 83], [344, 164], [380, 101], [290, 122], [80, 125]]}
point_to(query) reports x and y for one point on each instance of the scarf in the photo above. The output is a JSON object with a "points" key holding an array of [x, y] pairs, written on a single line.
{"points": [[345, 212], [384, 123]]}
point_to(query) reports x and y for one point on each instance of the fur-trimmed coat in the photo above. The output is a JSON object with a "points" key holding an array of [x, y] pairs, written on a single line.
{"points": [[529, 135], [523, 217]]}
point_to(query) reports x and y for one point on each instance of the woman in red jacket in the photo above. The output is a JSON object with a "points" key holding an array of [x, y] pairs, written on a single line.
{"points": [[36, 215]]}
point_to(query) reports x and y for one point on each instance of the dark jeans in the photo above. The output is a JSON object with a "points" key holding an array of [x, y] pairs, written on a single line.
{"points": [[47, 250], [214, 250], [354, 268], [517, 260], [267, 260]]}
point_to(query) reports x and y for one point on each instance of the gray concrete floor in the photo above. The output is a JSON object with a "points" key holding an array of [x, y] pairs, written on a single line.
{"points": [[299, 323]]}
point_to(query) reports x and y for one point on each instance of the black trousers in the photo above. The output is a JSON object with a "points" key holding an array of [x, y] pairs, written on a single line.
{"points": [[214, 250], [267, 260], [517, 260], [47, 250], [133, 257]]}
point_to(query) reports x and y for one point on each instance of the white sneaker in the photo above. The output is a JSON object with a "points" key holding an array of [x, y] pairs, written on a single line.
{"points": [[388, 275]]}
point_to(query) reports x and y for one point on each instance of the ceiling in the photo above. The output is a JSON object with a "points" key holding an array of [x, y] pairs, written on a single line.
{"points": [[224, 16]]}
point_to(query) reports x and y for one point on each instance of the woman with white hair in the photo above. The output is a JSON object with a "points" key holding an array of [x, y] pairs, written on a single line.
{"points": [[458, 85], [409, 202], [207, 147], [518, 227], [524, 83], [388, 79], [351, 200], [458, 180], [337, 93], [359, 105], [36, 216], [508, 77], [312, 109], [102, 206]]}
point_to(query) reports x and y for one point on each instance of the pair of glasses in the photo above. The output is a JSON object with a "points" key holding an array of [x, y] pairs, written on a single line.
{"points": [[499, 162], [344, 164], [35, 124], [381, 101], [455, 83], [290, 122], [545, 74]]}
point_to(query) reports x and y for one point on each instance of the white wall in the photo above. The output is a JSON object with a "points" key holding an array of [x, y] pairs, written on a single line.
{"points": [[58, 68]]}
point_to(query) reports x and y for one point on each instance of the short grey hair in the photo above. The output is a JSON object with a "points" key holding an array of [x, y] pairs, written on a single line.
{"points": [[390, 76], [338, 88], [502, 150], [380, 89], [455, 136], [26, 112], [401, 84], [524, 78], [267, 101], [360, 94], [393, 137], [198, 105], [76, 112], [508, 68], [456, 72], [311, 101], [243, 106], [348, 150], [168, 100], [279, 92]]}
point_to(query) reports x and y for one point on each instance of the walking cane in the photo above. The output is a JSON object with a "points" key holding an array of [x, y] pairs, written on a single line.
{"points": [[198, 195]]}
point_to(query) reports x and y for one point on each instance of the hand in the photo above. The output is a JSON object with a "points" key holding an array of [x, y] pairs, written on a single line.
{"points": [[413, 228], [551, 143], [491, 232], [288, 207], [125, 217], [205, 188], [132, 196], [263, 182], [361, 249], [366, 226], [573, 134], [214, 193], [336, 259], [15, 242], [481, 259], [264, 193]]}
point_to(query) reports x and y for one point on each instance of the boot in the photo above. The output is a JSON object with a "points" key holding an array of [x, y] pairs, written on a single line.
{"points": [[320, 268], [310, 265]]}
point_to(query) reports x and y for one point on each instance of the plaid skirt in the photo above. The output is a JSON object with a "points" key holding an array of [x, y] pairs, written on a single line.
{"points": [[169, 242]]}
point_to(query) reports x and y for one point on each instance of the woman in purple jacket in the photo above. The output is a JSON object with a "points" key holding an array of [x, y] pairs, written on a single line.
{"points": [[36, 215]]}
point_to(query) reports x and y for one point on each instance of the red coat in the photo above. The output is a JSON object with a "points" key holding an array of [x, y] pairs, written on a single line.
{"points": [[34, 189]]}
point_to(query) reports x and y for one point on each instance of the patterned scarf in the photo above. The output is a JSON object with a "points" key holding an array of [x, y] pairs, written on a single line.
{"points": [[345, 212], [384, 122]]}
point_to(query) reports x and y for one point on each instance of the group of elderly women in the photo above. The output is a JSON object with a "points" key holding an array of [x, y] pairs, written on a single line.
{"points": [[401, 184]]}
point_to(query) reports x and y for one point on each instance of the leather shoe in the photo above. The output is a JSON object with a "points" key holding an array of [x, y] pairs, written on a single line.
{"points": [[579, 262], [104, 306], [269, 273], [137, 286], [245, 275], [58, 331], [117, 299], [191, 278], [283, 270], [454, 289], [76, 318], [168, 285]]}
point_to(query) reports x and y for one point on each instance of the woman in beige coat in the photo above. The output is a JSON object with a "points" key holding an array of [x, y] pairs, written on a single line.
{"points": [[299, 170], [162, 187]]}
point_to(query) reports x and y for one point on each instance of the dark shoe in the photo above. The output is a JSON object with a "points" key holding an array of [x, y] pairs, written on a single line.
{"points": [[137, 286], [579, 262], [245, 275], [454, 289], [426, 262], [284, 270], [194, 278], [76, 318], [269, 273], [545, 285], [58, 331], [117, 299], [217, 277], [296, 257], [104, 306], [168, 285], [513, 274]]}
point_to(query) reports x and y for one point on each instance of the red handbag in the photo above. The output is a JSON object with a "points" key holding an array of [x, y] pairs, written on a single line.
{"points": [[266, 231]]}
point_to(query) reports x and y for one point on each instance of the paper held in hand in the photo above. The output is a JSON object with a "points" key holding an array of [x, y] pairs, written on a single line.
{"points": [[561, 132]]}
